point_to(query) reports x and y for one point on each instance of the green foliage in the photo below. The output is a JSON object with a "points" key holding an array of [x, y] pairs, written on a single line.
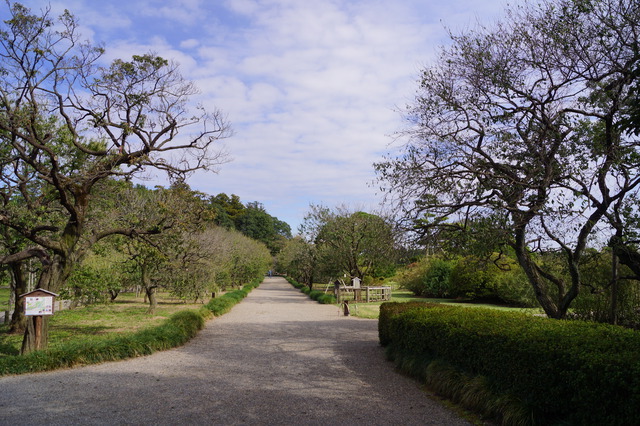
{"points": [[251, 220], [429, 277], [317, 295], [595, 301], [352, 243], [570, 372], [498, 279], [175, 331], [297, 259], [99, 279]]}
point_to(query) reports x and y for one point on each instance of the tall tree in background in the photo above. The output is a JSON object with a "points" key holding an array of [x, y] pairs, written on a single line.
{"points": [[67, 124], [529, 122], [252, 220]]}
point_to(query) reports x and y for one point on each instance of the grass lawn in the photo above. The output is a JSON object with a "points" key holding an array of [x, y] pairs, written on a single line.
{"points": [[4, 297], [372, 310], [128, 314]]}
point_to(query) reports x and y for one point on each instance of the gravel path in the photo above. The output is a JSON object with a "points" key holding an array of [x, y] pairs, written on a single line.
{"points": [[277, 358]]}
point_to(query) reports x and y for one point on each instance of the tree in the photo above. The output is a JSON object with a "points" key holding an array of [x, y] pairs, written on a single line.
{"points": [[227, 209], [234, 258], [523, 122], [355, 243], [298, 260], [256, 223], [252, 220], [171, 259], [68, 124]]}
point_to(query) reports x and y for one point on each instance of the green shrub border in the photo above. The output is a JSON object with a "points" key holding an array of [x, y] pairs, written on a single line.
{"points": [[175, 331], [317, 295], [517, 368]]}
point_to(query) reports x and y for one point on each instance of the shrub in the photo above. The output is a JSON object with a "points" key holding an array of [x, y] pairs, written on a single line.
{"points": [[317, 295], [498, 279], [474, 279], [569, 372], [427, 278], [175, 331]]}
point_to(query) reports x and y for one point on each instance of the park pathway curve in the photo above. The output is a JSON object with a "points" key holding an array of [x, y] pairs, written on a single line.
{"points": [[277, 358]]}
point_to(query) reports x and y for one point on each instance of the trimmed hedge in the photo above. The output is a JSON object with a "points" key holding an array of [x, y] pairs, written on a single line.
{"points": [[555, 372], [317, 295], [175, 331]]}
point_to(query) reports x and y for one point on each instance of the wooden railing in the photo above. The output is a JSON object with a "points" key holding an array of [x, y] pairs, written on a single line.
{"points": [[363, 294]]}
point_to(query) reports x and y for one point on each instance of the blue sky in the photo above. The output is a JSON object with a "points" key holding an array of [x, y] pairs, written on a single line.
{"points": [[312, 88]]}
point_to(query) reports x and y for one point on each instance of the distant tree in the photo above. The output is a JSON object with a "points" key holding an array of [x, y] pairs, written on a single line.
{"points": [[234, 258], [67, 124], [252, 220], [523, 122], [256, 223], [298, 260], [355, 243], [227, 209]]}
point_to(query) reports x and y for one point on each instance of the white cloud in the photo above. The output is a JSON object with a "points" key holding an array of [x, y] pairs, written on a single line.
{"points": [[310, 87]]}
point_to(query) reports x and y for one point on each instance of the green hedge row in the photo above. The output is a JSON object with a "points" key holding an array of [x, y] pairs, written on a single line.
{"points": [[317, 295], [551, 372], [173, 332]]}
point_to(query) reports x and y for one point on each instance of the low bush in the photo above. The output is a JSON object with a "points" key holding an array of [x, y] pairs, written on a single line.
{"points": [[427, 278], [498, 278], [175, 331], [317, 295], [528, 370], [322, 297]]}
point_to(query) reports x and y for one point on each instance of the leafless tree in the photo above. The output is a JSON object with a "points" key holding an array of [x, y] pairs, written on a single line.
{"points": [[522, 122]]}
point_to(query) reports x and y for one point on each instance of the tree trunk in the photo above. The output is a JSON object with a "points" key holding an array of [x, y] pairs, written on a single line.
{"points": [[32, 342], [150, 290], [537, 282], [153, 302], [613, 316], [18, 319]]}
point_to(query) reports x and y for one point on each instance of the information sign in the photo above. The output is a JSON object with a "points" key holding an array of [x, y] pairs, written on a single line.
{"points": [[41, 305]]}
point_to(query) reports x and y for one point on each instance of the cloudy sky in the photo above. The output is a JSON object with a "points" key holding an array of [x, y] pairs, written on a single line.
{"points": [[312, 88]]}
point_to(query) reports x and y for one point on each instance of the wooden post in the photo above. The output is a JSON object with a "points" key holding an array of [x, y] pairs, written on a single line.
{"points": [[37, 323], [367, 294]]}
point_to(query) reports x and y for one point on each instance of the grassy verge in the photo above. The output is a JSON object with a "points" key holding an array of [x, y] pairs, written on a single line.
{"points": [[319, 296], [372, 310], [127, 315], [4, 298], [111, 332]]}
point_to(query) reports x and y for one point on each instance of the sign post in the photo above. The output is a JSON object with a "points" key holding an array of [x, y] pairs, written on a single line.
{"points": [[38, 303]]}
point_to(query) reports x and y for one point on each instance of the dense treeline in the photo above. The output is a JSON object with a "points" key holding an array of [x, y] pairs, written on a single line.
{"points": [[251, 219]]}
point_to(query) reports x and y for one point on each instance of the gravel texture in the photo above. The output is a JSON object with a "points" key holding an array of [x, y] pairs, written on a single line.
{"points": [[277, 358]]}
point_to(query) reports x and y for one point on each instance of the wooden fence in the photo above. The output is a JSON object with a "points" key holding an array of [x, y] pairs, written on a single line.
{"points": [[364, 294]]}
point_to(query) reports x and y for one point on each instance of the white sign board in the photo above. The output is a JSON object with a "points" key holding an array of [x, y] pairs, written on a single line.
{"points": [[42, 305]]}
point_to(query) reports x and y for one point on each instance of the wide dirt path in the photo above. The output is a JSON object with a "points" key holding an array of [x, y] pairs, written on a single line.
{"points": [[277, 358]]}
